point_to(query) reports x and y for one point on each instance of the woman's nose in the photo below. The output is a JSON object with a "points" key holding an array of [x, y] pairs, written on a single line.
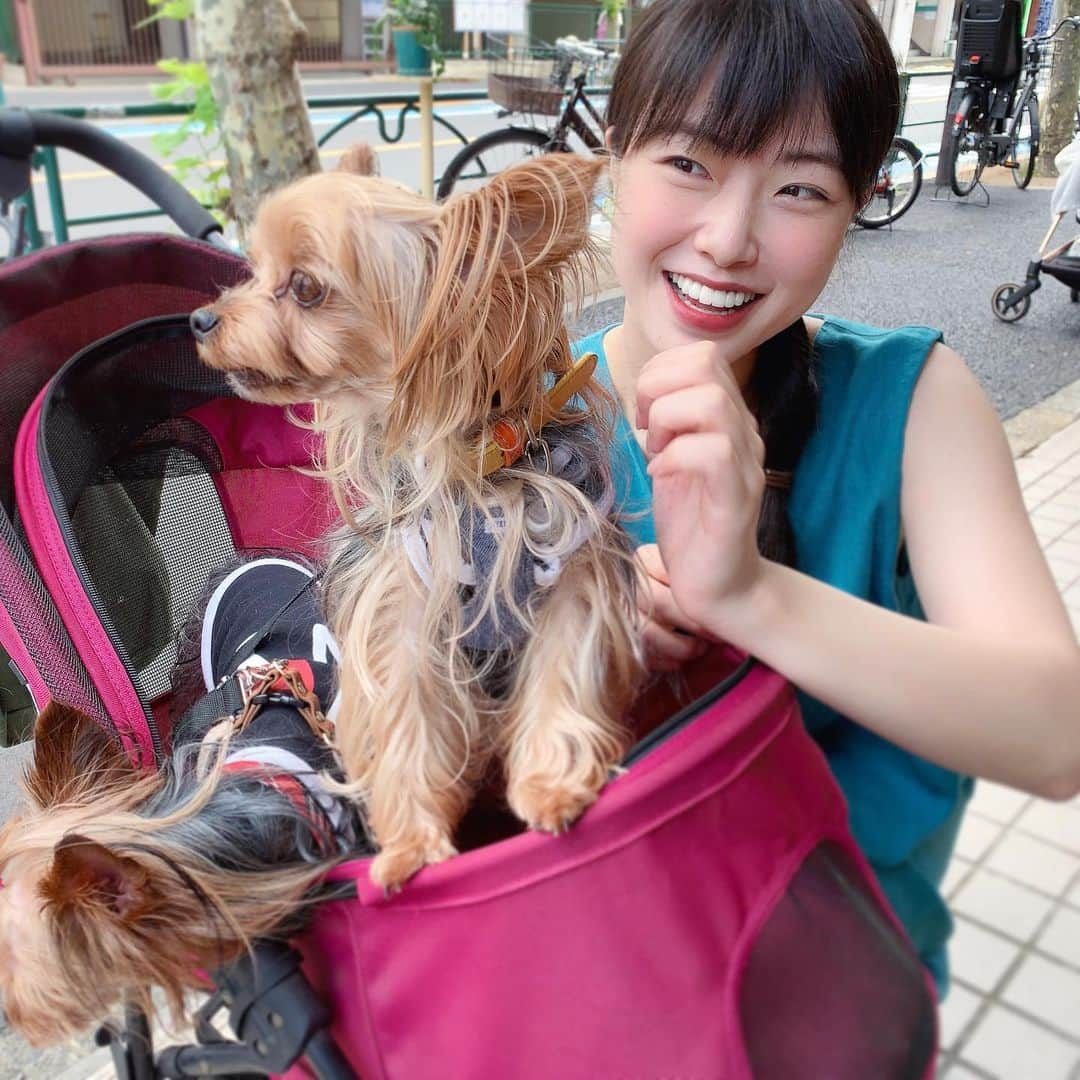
{"points": [[727, 232]]}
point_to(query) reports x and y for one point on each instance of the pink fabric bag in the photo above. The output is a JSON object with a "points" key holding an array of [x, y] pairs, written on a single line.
{"points": [[709, 917]]}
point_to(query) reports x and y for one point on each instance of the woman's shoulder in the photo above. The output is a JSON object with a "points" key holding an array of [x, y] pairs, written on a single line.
{"points": [[829, 333]]}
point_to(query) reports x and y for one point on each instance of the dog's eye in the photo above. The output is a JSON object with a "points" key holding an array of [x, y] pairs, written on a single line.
{"points": [[307, 290]]}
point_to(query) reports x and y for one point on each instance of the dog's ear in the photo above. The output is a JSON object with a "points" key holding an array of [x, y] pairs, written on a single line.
{"points": [[86, 879], [545, 202], [73, 755], [494, 318], [360, 159]]}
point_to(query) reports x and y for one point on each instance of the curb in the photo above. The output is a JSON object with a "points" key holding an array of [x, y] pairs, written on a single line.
{"points": [[1031, 427]]}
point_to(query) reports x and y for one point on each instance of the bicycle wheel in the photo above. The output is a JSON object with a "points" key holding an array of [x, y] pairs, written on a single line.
{"points": [[899, 182], [967, 160], [1023, 150], [477, 162]]}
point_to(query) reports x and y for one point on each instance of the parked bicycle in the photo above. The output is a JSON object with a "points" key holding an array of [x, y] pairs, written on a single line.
{"points": [[899, 181], [997, 125], [575, 114]]}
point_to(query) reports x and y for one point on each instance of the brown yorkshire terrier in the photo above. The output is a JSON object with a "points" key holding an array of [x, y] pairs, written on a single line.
{"points": [[481, 589], [115, 880]]}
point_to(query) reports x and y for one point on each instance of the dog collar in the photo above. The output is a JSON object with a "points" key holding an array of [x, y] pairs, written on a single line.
{"points": [[511, 438]]}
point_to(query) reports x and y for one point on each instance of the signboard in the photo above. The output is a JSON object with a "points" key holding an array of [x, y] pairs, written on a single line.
{"points": [[493, 16]]}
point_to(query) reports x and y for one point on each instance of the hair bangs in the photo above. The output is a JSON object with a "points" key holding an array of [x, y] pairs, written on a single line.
{"points": [[740, 76]]}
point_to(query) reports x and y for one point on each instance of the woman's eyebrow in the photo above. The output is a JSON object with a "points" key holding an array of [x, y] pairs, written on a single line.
{"points": [[827, 157]]}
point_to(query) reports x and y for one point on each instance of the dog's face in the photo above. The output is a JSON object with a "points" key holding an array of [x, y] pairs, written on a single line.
{"points": [[415, 313], [58, 888], [338, 265]]}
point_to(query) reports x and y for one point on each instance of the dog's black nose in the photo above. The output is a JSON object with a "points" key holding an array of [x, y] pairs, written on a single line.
{"points": [[203, 320]]}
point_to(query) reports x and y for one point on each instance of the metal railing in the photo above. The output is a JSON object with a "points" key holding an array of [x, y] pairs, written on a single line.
{"points": [[381, 106]]}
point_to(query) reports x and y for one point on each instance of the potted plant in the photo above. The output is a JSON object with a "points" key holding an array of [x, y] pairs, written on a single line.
{"points": [[415, 26]]}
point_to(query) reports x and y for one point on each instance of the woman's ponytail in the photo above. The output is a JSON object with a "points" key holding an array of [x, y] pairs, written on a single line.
{"points": [[785, 395]]}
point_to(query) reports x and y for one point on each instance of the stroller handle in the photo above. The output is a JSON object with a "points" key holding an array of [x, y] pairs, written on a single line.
{"points": [[22, 130]]}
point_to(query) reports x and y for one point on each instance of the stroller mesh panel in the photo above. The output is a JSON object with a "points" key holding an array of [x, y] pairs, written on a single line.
{"points": [[151, 530], [829, 981], [135, 479], [38, 623]]}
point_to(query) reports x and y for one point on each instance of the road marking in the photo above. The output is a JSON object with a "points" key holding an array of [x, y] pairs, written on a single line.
{"points": [[386, 148]]}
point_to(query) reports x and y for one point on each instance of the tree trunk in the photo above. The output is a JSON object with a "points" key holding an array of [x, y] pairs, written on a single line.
{"points": [[250, 48], [1057, 117]]}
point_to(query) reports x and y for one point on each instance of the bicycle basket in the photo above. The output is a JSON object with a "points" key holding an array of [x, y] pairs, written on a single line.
{"points": [[527, 80], [525, 93]]}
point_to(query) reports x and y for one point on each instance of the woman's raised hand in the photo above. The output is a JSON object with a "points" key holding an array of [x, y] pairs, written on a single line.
{"points": [[707, 468]]}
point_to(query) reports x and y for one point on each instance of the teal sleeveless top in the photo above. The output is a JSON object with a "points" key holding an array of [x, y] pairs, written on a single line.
{"points": [[845, 513]]}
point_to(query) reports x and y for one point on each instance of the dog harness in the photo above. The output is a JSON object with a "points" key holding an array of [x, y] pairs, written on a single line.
{"points": [[577, 460]]}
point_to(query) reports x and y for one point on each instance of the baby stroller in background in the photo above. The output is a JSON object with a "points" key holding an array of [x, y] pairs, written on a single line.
{"points": [[710, 915], [1012, 302]]}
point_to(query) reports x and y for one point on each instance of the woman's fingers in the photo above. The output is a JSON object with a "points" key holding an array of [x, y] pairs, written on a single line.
{"points": [[704, 409], [684, 367], [667, 650]]}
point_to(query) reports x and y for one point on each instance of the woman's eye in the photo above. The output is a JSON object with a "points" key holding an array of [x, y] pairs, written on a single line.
{"points": [[802, 192], [686, 165], [307, 290]]}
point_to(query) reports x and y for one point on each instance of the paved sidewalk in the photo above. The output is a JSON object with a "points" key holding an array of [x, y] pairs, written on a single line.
{"points": [[1014, 886]]}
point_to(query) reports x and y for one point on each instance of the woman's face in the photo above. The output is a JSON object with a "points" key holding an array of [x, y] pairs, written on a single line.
{"points": [[722, 248]]}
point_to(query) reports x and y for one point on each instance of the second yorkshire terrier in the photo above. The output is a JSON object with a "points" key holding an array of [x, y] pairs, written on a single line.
{"points": [[115, 880], [482, 591]]}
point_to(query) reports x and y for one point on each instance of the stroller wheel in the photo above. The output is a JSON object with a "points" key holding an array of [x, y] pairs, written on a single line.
{"points": [[1002, 308]]}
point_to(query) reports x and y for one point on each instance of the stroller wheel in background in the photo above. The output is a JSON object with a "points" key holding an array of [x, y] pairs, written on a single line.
{"points": [[1003, 309]]}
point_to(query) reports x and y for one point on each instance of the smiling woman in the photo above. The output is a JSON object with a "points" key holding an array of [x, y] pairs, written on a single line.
{"points": [[785, 476]]}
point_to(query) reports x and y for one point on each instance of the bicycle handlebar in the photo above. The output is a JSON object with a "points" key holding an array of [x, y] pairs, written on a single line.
{"points": [[587, 54], [23, 130], [1072, 21]]}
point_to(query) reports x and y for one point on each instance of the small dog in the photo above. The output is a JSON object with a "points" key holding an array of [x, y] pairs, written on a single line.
{"points": [[116, 880], [481, 590]]}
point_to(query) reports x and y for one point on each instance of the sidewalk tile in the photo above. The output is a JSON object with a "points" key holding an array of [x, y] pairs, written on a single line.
{"points": [[1061, 938], [1035, 863], [1048, 529], [1049, 991], [956, 873], [1010, 1047], [1003, 905], [1064, 549], [1069, 468], [1058, 823], [1065, 571], [1029, 469], [956, 1011], [997, 801], [976, 836], [978, 956], [959, 1071], [1054, 509], [1060, 446]]}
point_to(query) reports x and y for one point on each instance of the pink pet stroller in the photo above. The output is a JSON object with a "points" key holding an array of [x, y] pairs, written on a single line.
{"points": [[709, 916]]}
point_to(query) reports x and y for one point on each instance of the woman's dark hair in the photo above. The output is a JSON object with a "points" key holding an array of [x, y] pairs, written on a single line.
{"points": [[766, 66], [759, 70]]}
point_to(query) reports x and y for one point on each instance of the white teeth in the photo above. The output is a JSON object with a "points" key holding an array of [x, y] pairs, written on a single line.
{"points": [[703, 294]]}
